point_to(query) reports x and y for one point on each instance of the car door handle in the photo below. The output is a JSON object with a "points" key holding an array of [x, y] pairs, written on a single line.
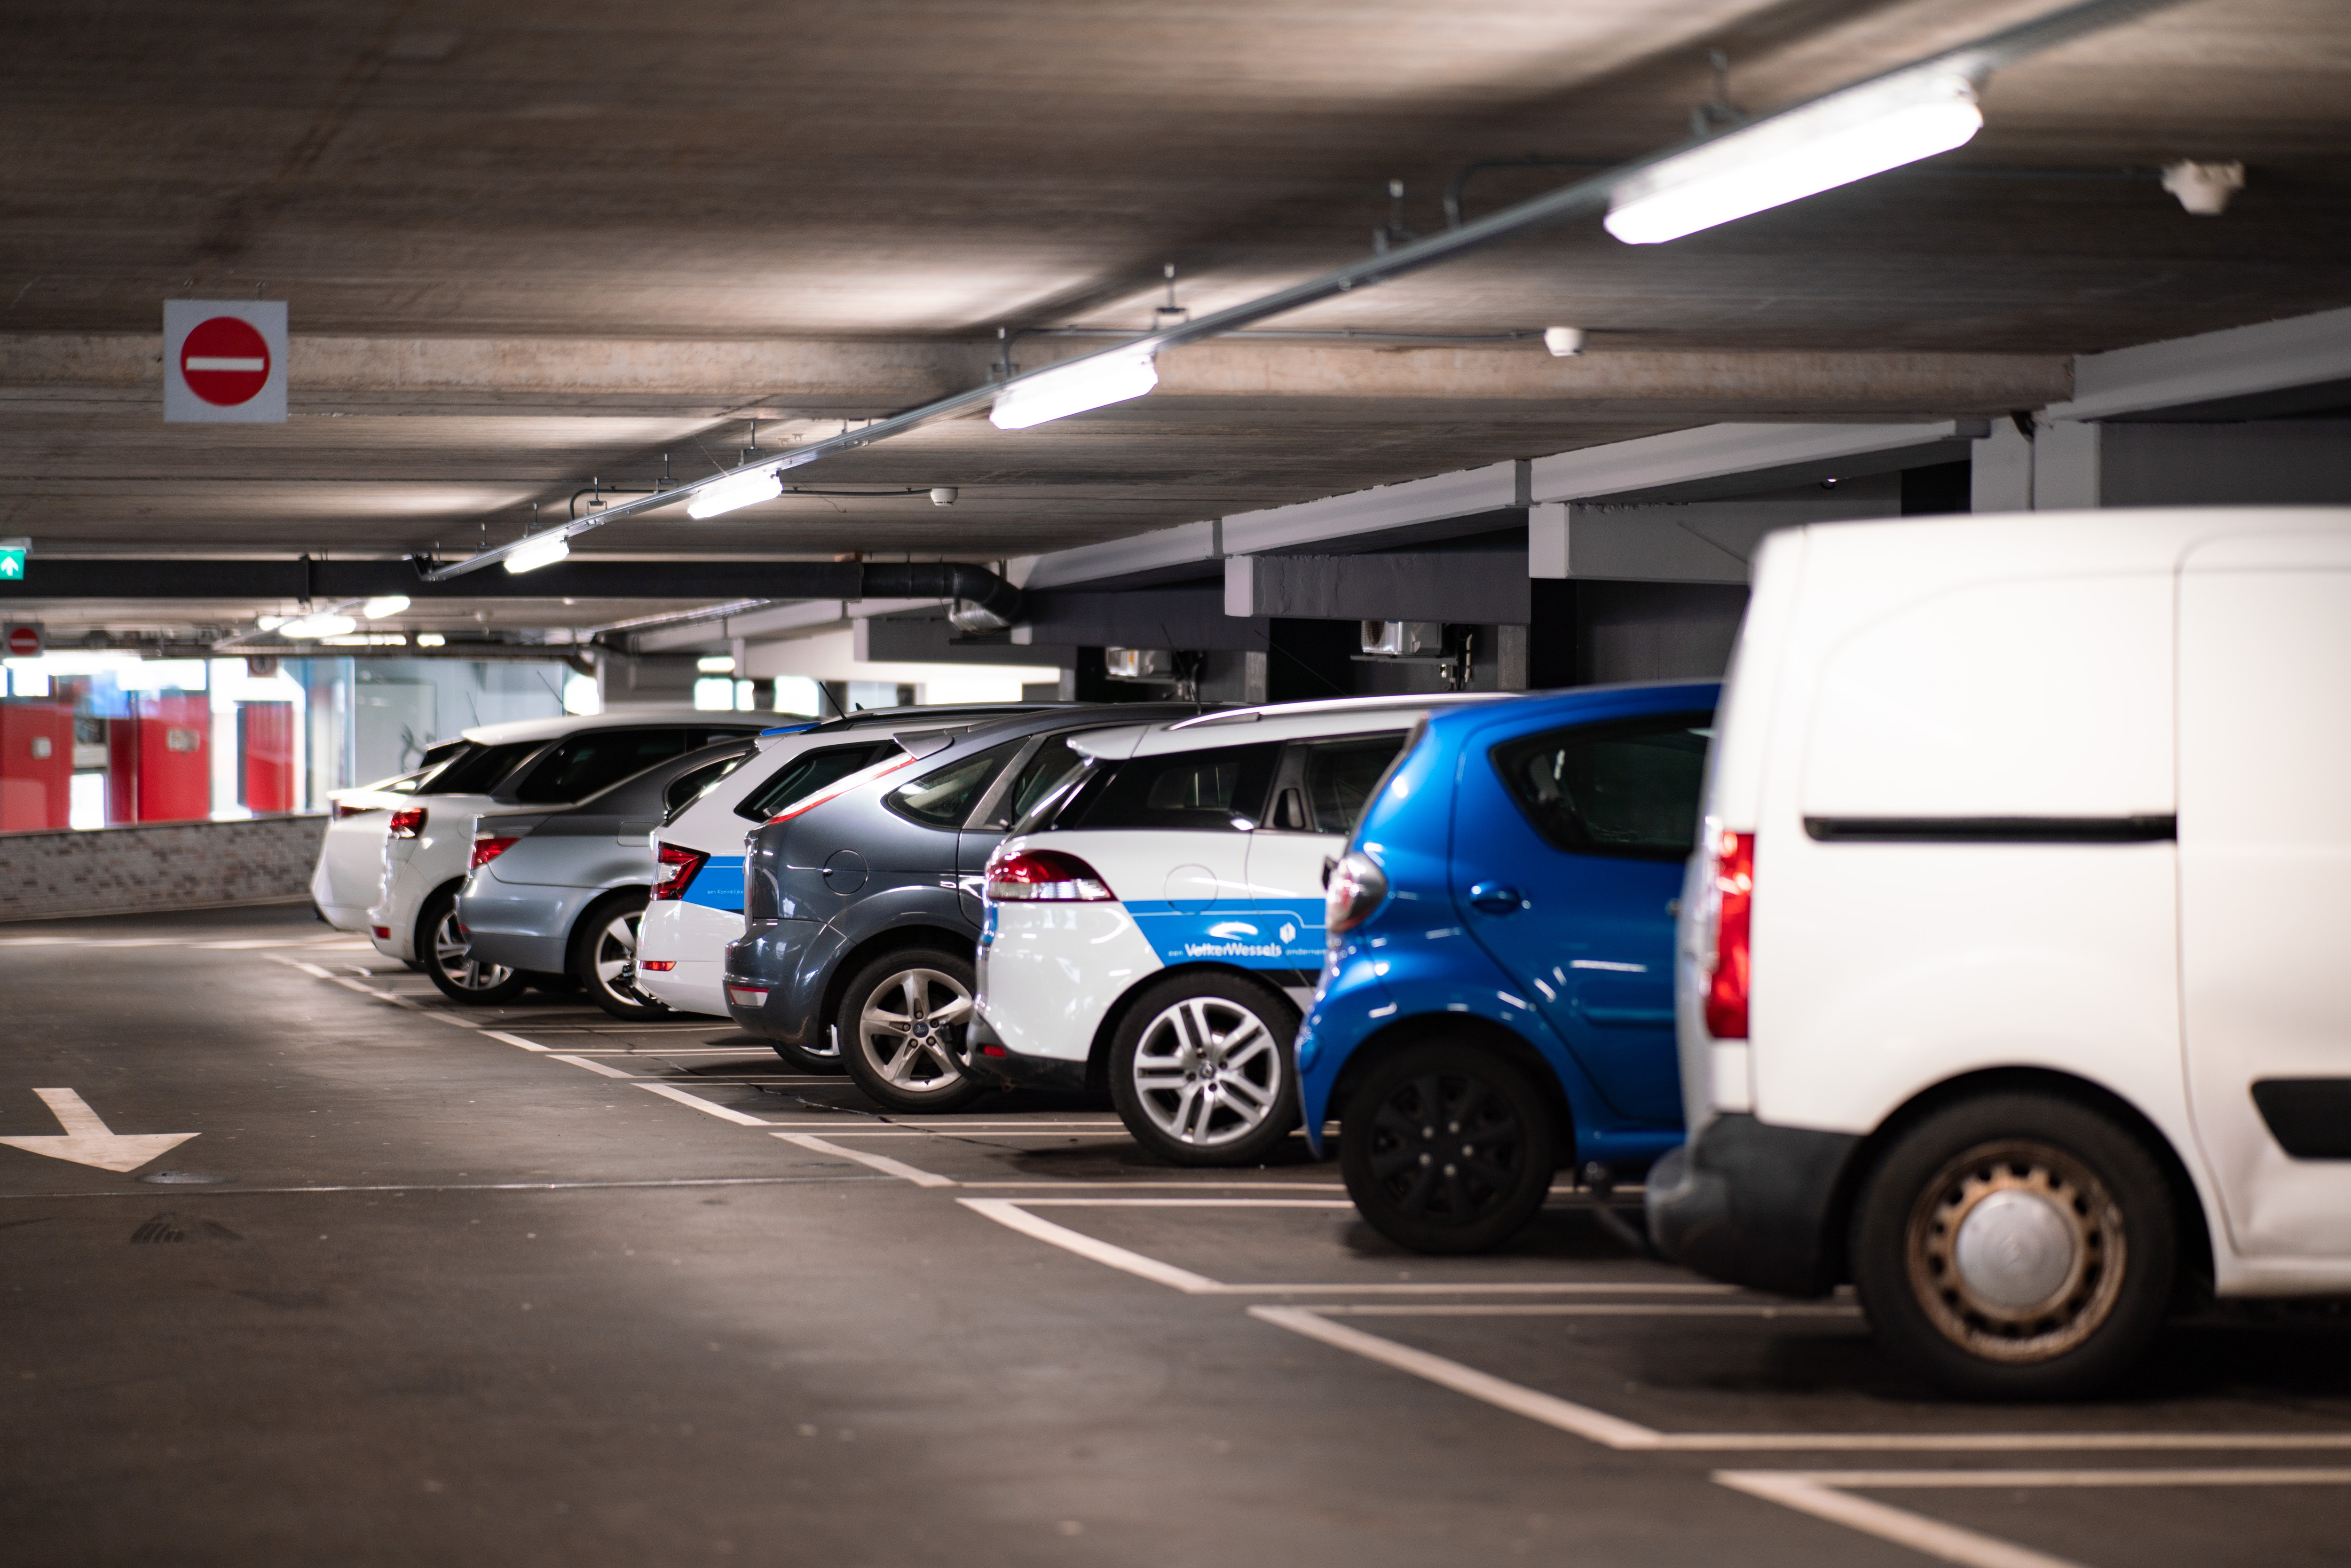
{"points": [[1496, 898]]}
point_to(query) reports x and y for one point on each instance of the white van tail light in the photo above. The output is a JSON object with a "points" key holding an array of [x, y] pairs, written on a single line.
{"points": [[1732, 874], [1356, 888], [1044, 877], [676, 870], [407, 822]]}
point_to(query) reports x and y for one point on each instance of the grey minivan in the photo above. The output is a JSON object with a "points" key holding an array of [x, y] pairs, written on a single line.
{"points": [[862, 906]]}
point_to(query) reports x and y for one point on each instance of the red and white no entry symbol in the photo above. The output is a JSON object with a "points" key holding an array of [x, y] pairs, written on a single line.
{"points": [[225, 360], [25, 642]]}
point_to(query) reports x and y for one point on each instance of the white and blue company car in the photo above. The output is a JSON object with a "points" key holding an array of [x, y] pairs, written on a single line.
{"points": [[1157, 925]]}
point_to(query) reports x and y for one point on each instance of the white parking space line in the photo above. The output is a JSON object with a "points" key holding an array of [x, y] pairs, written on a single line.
{"points": [[1598, 1310], [972, 1125], [882, 1162], [596, 1067], [1013, 1213], [1614, 1432], [706, 1107], [310, 968], [1828, 1494], [514, 1039], [1205, 1182]]}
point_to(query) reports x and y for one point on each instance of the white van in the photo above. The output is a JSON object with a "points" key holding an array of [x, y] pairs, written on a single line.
{"points": [[2008, 980]]}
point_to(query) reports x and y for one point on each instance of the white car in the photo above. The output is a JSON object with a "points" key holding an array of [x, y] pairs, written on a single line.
{"points": [[698, 901], [2008, 982], [425, 848], [349, 876], [1156, 923]]}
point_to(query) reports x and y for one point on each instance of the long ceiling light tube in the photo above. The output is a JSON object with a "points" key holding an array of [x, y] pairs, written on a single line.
{"points": [[1970, 62]]}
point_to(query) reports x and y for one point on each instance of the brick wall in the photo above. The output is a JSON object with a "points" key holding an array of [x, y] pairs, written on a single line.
{"points": [[157, 866]]}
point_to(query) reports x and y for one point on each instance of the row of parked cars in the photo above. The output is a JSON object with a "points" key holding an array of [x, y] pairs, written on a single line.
{"points": [[1974, 935]]}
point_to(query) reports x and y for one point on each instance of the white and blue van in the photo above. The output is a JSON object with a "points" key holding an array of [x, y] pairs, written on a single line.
{"points": [[1155, 925]]}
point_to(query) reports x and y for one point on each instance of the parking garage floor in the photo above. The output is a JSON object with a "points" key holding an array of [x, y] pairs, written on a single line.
{"points": [[526, 1285]]}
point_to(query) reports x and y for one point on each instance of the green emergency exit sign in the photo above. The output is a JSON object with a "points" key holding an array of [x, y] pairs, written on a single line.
{"points": [[12, 559]]}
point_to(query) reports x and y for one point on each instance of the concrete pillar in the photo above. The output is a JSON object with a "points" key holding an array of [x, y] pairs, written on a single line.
{"points": [[2002, 476], [2066, 465]]}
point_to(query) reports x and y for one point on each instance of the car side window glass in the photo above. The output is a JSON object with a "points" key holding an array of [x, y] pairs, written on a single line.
{"points": [[695, 783], [1628, 788], [596, 760], [944, 797], [479, 772], [1219, 790], [1336, 779], [1052, 765], [810, 771]]}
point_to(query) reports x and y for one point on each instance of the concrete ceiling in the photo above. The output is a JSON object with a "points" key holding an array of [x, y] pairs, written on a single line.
{"points": [[530, 244]]}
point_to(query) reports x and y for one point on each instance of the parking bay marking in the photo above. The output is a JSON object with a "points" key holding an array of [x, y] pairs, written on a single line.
{"points": [[1012, 1213], [1828, 1495], [1614, 1432], [882, 1162]]}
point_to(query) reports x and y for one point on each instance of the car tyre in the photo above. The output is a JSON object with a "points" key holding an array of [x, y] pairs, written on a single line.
{"points": [[442, 941], [1447, 1147], [604, 956], [2016, 1246], [1201, 1070], [901, 1029], [801, 1058]]}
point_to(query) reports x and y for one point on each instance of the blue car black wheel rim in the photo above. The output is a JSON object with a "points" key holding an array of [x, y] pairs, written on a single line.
{"points": [[1447, 1148]]}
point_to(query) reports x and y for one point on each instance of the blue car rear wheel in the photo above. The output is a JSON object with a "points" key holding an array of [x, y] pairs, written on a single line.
{"points": [[1447, 1147]]}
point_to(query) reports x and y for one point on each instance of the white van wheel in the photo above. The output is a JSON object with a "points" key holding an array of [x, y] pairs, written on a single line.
{"points": [[2016, 1246]]}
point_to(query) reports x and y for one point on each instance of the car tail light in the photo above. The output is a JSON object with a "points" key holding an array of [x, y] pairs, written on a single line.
{"points": [[657, 965], [1356, 888], [840, 787], [1732, 874], [1044, 877], [489, 847], [746, 996], [408, 821], [677, 869], [382, 933]]}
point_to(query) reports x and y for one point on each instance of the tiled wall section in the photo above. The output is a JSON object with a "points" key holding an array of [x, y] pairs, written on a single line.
{"points": [[162, 865]]}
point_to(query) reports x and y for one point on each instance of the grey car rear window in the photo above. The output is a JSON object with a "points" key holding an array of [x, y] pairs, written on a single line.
{"points": [[808, 772], [944, 797]]}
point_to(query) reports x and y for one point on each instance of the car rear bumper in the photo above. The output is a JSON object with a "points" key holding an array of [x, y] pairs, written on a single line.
{"points": [[992, 1062], [524, 926], [1753, 1203], [783, 964]]}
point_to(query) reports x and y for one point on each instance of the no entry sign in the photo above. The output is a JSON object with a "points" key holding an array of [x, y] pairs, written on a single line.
{"points": [[225, 360], [23, 642]]}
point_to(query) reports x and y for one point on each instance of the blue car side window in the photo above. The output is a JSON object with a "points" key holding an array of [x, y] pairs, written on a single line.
{"points": [[1627, 790]]}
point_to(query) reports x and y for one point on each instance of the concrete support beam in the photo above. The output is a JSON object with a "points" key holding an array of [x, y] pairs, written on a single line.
{"points": [[1687, 465], [1688, 541], [2001, 472], [2216, 375], [1476, 587]]}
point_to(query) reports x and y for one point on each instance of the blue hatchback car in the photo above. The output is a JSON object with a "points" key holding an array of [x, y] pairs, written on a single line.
{"points": [[1496, 1001]]}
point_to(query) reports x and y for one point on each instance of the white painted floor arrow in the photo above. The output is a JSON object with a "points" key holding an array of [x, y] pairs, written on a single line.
{"points": [[87, 1143]]}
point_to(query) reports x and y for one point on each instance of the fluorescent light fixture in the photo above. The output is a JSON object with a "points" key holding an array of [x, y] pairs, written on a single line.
{"points": [[1839, 139], [303, 628], [716, 663], [736, 490], [271, 623], [544, 551], [1072, 389], [386, 604], [429, 639]]}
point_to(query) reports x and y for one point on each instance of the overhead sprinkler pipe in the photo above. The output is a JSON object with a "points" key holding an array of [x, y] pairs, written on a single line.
{"points": [[1971, 63]]}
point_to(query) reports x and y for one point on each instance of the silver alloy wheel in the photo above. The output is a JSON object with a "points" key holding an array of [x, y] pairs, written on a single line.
{"points": [[2016, 1251], [613, 958], [907, 1029], [1207, 1072], [466, 973]]}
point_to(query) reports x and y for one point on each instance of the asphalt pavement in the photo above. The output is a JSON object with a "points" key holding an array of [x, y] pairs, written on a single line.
{"points": [[524, 1285]]}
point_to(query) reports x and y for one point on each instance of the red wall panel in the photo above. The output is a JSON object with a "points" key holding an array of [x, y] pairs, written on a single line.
{"points": [[36, 791], [174, 748], [265, 739]]}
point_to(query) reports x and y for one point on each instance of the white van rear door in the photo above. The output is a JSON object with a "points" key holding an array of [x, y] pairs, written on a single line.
{"points": [[2264, 857]]}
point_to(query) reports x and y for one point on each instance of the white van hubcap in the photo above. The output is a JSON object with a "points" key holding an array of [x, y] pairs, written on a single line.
{"points": [[2016, 1251]]}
